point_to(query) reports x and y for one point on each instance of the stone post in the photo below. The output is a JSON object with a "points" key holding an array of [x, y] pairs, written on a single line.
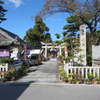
{"points": [[60, 50], [46, 51], [83, 44]]}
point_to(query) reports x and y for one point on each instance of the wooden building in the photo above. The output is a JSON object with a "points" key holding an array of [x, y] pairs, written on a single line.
{"points": [[12, 42]]}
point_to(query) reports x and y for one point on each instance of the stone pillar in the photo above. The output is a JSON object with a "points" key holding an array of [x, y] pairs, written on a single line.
{"points": [[83, 44], [60, 50], [46, 51]]}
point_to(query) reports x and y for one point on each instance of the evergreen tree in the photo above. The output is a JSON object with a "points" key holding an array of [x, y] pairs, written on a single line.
{"points": [[34, 36], [2, 11], [47, 38], [86, 11], [70, 37]]}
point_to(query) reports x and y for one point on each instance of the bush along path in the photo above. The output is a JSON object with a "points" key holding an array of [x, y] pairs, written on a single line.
{"points": [[12, 74]]}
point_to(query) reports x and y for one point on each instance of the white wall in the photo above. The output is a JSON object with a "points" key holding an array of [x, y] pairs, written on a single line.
{"points": [[95, 52]]}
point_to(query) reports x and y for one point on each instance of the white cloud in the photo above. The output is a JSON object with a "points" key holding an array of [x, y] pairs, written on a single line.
{"points": [[56, 19], [60, 19], [53, 19], [17, 3]]}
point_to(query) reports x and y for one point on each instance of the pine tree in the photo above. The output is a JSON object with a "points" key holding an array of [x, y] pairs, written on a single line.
{"points": [[2, 11], [37, 34]]}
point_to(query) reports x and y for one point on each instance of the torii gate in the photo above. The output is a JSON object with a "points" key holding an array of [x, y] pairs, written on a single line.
{"points": [[49, 45]]}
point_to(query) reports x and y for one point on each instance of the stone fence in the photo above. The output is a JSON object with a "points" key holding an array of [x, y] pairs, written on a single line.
{"points": [[82, 70], [6, 67]]}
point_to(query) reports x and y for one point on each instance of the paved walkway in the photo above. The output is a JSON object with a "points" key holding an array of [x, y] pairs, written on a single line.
{"points": [[47, 73]]}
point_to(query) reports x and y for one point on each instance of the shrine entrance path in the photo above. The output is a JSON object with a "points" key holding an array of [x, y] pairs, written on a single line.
{"points": [[42, 74]]}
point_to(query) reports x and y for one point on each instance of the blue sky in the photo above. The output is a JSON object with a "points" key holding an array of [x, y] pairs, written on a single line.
{"points": [[19, 17]]}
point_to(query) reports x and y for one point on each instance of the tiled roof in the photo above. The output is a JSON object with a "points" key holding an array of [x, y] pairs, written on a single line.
{"points": [[6, 34], [6, 43], [2, 39], [12, 37]]}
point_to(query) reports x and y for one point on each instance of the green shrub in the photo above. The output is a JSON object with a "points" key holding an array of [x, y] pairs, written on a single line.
{"points": [[25, 71], [90, 76], [11, 73], [62, 73], [2, 79], [60, 57], [6, 60]]}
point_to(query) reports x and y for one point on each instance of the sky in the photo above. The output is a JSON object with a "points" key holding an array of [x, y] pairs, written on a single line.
{"points": [[19, 17]]}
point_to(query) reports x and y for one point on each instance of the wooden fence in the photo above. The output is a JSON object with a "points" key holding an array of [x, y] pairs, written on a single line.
{"points": [[82, 71]]}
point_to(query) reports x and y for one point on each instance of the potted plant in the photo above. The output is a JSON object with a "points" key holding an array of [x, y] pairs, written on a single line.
{"points": [[62, 73], [94, 81], [69, 80], [85, 81], [64, 79], [81, 81], [90, 77], [73, 81], [98, 82], [77, 81], [2, 79], [12, 78]]}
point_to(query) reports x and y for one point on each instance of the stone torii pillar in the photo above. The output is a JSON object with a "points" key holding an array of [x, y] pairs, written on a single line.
{"points": [[60, 50], [46, 46], [45, 51]]}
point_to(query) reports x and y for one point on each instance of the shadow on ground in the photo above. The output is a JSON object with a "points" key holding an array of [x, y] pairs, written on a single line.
{"points": [[13, 91]]}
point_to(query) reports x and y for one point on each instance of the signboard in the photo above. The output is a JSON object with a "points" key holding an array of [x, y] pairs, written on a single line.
{"points": [[14, 55], [96, 52], [35, 51], [4, 53]]}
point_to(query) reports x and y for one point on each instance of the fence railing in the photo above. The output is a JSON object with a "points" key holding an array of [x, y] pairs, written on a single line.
{"points": [[16, 66], [82, 71], [6, 67]]}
